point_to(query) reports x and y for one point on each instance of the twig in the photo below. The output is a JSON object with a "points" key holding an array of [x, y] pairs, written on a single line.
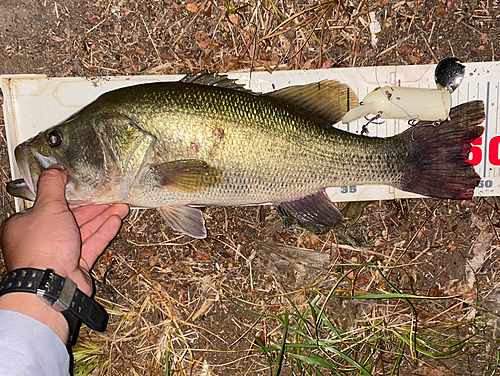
{"points": [[151, 39], [190, 23], [104, 20], [430, 50]]}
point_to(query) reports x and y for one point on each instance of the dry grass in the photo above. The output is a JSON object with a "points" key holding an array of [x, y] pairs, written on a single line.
{"points": [[234, 303]]}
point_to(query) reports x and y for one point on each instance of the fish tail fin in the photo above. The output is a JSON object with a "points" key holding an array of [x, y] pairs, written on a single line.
{"points": [[438, 165]]}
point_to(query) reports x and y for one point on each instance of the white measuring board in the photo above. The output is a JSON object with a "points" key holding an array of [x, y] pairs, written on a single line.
{"points": [[35, 102]]}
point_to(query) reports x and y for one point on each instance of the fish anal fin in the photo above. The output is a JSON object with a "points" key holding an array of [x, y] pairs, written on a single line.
{"points": [[185, 219], [328, 99], [187, 175], [316, 212]]}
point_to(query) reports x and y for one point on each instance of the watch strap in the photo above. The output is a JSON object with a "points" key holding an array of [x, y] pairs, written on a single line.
{"points": [[60, 292], [74, 327]]}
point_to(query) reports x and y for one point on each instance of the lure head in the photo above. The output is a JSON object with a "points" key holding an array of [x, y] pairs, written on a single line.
{"points": [[449, 74]]}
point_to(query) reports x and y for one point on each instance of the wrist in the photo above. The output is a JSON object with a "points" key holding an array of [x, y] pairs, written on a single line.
{"points": [[36, 307]]}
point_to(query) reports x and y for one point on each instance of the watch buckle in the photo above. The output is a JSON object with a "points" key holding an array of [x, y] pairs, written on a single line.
{"points": [[46, 290]]}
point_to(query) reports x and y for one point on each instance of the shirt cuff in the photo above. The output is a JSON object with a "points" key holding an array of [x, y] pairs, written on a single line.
{"points": [[28, 347]]}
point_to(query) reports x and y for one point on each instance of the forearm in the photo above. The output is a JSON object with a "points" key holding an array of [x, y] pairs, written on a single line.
{"points": [[28, 347], [34, 306]]}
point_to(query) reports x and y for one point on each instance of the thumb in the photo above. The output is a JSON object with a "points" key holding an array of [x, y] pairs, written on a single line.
{"points": [[51, 188]]}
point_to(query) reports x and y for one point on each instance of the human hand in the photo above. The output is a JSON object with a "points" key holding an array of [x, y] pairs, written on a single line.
{"points": [[51, 235]]}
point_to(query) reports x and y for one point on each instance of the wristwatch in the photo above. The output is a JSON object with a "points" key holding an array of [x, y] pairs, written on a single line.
{"points": [[62, 294]]}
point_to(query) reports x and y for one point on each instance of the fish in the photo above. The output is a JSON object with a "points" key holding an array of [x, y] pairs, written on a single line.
{"points": [[207, 141]]}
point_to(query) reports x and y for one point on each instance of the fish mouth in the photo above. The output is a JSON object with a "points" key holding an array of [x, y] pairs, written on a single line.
{"points": [[22, 160], [31, 164], [19, 188]]}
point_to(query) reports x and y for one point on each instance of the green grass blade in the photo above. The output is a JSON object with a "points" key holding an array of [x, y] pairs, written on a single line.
{"points": [[281, 354]]}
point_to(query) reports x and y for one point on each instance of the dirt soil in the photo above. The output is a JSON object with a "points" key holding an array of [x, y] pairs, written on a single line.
{"points": [[171, 296]]}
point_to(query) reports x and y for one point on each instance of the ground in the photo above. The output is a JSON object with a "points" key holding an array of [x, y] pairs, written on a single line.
{"points": [[206, 307]]}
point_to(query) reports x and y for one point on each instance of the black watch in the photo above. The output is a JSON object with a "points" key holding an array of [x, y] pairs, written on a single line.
{"points": [[62, 294]]}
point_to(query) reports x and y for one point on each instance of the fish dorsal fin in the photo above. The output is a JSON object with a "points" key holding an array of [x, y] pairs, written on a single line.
{"points": [[187, 175], [311, 212], [214, 79], [328, 99]]}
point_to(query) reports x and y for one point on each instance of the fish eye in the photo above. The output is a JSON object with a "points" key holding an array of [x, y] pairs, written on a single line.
{"points": [[54, 139]]}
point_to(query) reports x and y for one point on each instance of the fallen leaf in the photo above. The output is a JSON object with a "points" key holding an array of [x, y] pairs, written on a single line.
{"points": [[382, 2], [441, 12], [406, 49], [107, 257], [205, 307], [363, 280], [434, 291], [327, 64], [431, 371], [485, 38], [153, 260], [415, 58], [177, 7], [203, 256], [234, 19], [146, 254], [140, 52], [206, 43], [193, 8], [55, 38]]}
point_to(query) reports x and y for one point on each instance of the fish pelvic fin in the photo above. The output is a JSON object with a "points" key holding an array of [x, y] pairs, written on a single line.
{"points": [[315, 213], [185, 219], [438, 155]]}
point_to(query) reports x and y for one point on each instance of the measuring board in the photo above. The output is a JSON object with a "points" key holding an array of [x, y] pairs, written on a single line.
{"points": [[35, 102]]}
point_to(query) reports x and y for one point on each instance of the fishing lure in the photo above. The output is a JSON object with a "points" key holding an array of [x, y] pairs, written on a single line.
{"points": [[413, 104]]}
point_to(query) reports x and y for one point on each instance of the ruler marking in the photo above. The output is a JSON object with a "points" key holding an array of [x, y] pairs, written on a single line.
{"points": [[486, 162]]}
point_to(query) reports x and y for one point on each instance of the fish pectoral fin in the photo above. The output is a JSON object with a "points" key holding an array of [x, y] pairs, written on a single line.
{"points": [[316, 212], [186, 175], [185, 219], [328, 99]]}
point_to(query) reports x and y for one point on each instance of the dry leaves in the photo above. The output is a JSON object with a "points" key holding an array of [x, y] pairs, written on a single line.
{"points": [[193, 8], [431, 371]]}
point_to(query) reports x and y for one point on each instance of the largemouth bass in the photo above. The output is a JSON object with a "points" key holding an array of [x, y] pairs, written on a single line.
{"points": [[205, 141]]}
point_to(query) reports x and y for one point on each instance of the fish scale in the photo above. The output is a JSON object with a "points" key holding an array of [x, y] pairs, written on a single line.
{"points": [[268, 154]]}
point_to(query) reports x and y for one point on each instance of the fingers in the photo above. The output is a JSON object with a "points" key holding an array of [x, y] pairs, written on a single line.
{"points": [[91, 218], [95, 244], [83, 214], [51, 186]]}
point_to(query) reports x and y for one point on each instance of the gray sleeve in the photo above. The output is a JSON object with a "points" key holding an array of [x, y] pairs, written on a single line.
{"points": [[28, 347]]}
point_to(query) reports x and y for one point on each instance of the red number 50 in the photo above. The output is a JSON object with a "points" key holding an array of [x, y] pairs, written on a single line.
{"points": [[476, 154]]}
